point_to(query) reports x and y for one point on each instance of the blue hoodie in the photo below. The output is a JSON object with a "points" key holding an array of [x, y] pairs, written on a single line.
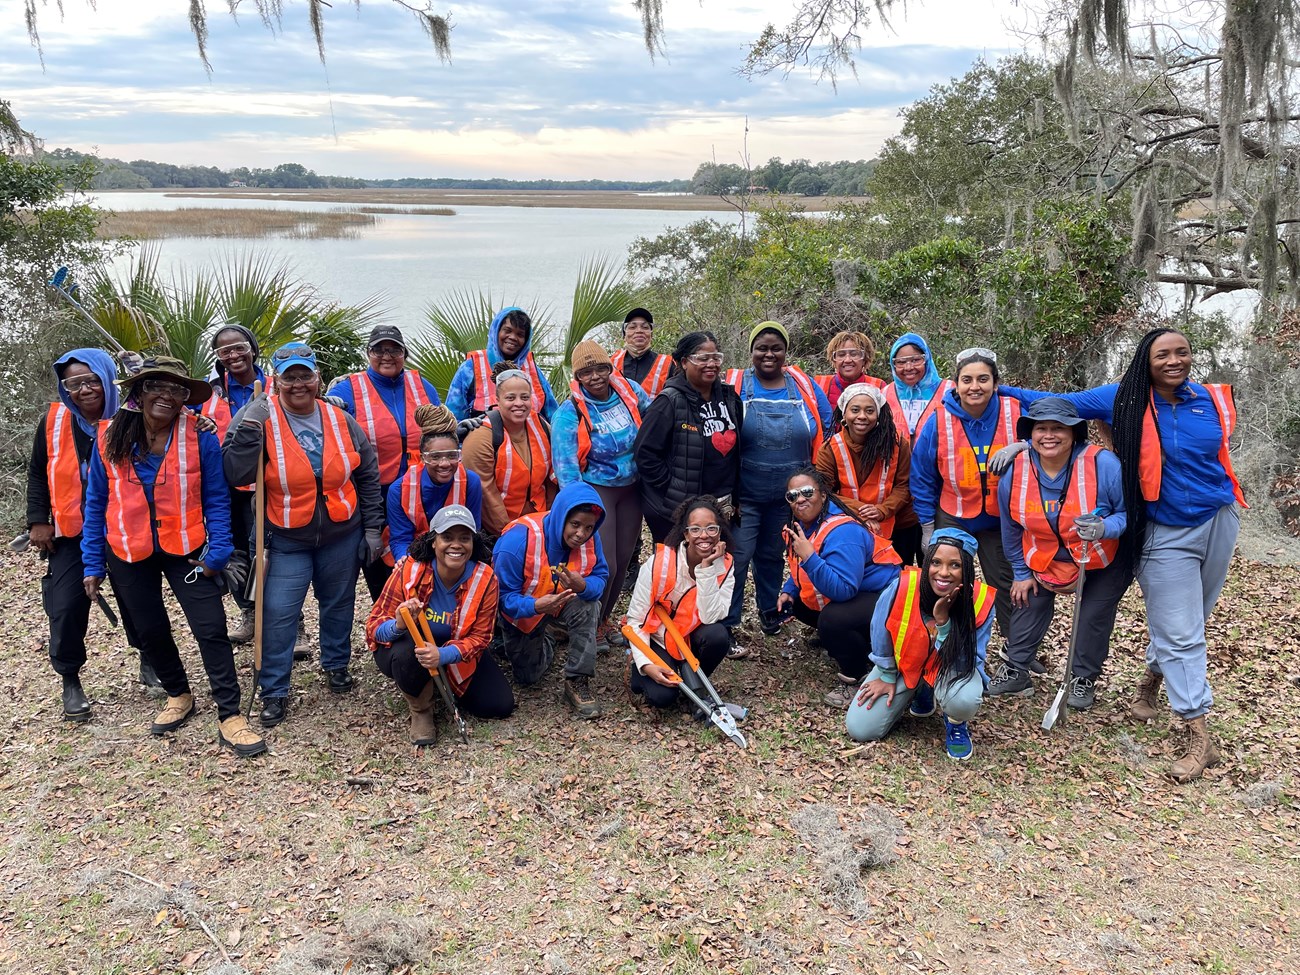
{"points": [[460, 394], [103, 366], [929, 382], [844, 567], [926, 480], [510, 552]]}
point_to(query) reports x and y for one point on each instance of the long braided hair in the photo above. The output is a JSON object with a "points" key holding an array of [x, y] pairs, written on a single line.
{"points": [[957, 652], [879, 445], [1132, 400], [125, 438]]}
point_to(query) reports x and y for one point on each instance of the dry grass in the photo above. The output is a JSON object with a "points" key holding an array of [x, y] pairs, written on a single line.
{"points": [[235, 222], [415, 211], [644, 843]]}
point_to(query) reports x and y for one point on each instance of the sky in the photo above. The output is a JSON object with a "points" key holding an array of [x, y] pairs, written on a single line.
{"points": [[537, 90]]}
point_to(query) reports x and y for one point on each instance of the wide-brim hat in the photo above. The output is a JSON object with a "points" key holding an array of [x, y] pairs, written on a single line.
{"points": [[172, 370], [1052, 409]]}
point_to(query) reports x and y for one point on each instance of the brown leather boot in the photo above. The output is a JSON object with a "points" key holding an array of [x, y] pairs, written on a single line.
{"points": [[1201, 753], [424, 723], [175, 713], [1147, 697]]}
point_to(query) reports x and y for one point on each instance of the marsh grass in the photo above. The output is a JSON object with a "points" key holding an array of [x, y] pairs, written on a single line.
{"points": [[236, 223]]}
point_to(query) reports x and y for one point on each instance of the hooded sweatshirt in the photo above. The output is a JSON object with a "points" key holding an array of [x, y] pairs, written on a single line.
{"points": [[926, 482], [509, 555], [844, 567], [225, 386], [460, 394], [83, 432], [914, 398]]}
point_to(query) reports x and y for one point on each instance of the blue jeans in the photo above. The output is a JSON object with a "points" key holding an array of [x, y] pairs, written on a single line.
{"points": [[959, 699], [291, 567], [759, 540]]}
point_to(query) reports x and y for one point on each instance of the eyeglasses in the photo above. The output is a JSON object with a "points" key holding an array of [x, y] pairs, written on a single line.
{"points": [[440, 456], [849, 354], [638, 326], [84, 382], [388, 352], [233, 349], [593, 372], [708, 531], [909, 360], [292, 352], [805, 492], [966, 355], [300, 383], [706, 359], [160, 387]]}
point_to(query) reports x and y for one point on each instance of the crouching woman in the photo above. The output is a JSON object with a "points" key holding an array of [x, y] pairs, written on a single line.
{"points": [[929, 638], [445, 576]]}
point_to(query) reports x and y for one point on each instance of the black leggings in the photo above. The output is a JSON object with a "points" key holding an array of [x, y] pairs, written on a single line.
{"points": [[487, 696], [709, 643], [845, 631]]}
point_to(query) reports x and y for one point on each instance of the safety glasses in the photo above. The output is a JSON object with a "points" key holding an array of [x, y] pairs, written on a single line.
{"points": [[160, 387], [708, 531], [967, 355], [81, 382]]}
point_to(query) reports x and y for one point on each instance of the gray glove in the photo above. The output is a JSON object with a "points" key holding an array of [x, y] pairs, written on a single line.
{"points": [[257, 411], [1090, 528], [336, 401], [1001, 462], [467, 426], [927, 530], [371, 548], [236, 572]]}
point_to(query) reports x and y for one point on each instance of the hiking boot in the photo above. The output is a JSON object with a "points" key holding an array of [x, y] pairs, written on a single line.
{"points": [[1082, 694], [1010, 680], [614, 634], [152, 685], [302, 642], [75, 706], [957, 739], [235, 734], [1146, 697], [602, 638], [578, 696], [339, 681], [841, 697], [922, 705], [1201, 752], [175, 713], [242, 632], [1035, 665], [274, 710], [424, 722]]}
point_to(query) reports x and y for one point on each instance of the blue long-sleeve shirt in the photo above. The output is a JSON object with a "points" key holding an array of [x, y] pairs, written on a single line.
{"points": [[1110, 506], [927, 477], [844, 567], [216, 507], [882, 645], [1193, 482], [613, 433], [392, 392], [442, 605], [433, 498]]}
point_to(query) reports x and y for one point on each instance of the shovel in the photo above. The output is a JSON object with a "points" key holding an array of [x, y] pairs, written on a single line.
{"points": [[1055, 713], [418, 627], [259, 565]]}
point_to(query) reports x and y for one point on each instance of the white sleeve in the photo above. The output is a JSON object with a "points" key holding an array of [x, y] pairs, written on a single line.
{"points": [[637, 608], [713, 600]]}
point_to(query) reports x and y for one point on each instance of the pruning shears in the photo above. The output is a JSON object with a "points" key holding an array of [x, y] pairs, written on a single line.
{"points": [[418, 627]]}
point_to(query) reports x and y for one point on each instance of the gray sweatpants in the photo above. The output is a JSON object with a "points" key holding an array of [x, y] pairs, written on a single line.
{"points": [[531, 654], [959, 699], [1181, 572]]}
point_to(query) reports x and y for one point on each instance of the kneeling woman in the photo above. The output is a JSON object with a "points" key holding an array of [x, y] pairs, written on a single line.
{"points": [[447, 577], [837, 570], [691, 577], [930, 631]]}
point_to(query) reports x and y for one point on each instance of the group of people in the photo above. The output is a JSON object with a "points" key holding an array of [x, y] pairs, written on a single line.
{"points": [[512, 523]]}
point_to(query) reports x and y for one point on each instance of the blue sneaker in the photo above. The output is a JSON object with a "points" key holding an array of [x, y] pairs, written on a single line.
{"points": [[922, 705], [957, 740]]}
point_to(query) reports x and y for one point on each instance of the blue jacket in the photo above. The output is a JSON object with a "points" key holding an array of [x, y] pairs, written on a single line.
{"points": [[611, 462], [508, 555], [1110, 505], [929, 382], [882, 646], [1193, 483], [216, 507], [401, 531], [460, 394], [392, 390], [843, 568], [927, 481]]}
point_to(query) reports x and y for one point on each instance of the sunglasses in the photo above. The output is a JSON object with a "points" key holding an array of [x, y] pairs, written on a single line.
{"points": [[388, 352], [295, 352], [806, 492]]}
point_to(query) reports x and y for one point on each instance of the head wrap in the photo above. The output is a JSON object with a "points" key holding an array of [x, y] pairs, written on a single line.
{"points": [[861, 389]]}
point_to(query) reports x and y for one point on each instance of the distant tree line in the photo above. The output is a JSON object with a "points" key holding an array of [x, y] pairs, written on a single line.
{"points": [[798, 177]]}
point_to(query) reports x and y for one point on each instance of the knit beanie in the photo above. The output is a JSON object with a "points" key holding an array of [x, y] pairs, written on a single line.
{"points": [[775, 327], [587, 354]]}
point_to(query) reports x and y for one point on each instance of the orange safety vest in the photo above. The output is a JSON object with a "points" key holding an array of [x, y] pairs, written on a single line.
{"points": [[292, 486], [63, 472], [900, 419], [663, 580], [539, 579], [653, 384], [912, 638], [1151, 465], [968, 488], [621, 386], [882, 553], [417, 580], [519, 482], [1039, 542], [485, 387], [806, 387], [177, 508], [381, 427], [413, 502], [878, 485]]}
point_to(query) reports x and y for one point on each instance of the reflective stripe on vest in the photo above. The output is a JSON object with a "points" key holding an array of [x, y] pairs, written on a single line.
{"points": [[626, 393], [663, 580], [292, 486], [808, 593], [485, 387], [469, 602], [653, 384], [177, 509], [900, 418], [63, 472], [1151, 464], [1039, 542], [913, 641], [381, 426], [967, 488], [538, 579], [519, 481], [877, 492]]}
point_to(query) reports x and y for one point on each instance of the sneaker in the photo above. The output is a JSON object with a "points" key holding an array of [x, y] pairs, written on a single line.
{"points": [[841, 697], [769, 623], [235, 734], [1010, 680], [615, 635], [242, 632], [737, 651], [1035, 665], [75, 706], [302, 642], [1083, 693], [175, 713], [339, 681], [957, 739], [578, 696], [274, 710], [922, 705]]}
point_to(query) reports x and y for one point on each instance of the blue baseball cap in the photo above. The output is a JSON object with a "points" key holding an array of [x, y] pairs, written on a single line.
{"points": [[955, 536], [293, 354]]}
